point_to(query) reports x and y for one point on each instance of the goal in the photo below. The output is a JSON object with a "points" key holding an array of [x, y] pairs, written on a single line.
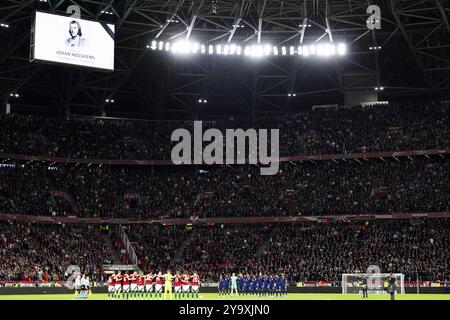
{"points": [[376, 282]]}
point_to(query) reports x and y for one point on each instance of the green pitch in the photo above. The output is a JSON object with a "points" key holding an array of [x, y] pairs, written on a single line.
{"points": [[215, 296]]}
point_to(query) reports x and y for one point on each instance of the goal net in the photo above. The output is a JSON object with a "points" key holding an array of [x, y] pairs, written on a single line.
{"points": [[377, 283]]}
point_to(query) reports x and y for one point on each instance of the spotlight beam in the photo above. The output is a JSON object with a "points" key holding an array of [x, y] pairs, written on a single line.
{"points": [[305, 21], [260, 20], [328, 28], [236, 24], [191, 26], [237, 21]]}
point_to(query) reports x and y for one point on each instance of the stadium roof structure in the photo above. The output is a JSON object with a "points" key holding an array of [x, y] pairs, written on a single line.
{"points": [[410, 54]]}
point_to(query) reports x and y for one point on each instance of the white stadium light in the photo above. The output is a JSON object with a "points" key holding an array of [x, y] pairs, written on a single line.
{"points": [[247, 51], [253, 51], [195, 47], [305, 51], [232, 49], [342, 49]]}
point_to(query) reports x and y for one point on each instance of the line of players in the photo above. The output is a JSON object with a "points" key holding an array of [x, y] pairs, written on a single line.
{"points": [[261, 285], [140, 286], [82, 287]]}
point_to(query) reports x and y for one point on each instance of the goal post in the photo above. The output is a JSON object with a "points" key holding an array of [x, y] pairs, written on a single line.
{"points": [[376, 283]]}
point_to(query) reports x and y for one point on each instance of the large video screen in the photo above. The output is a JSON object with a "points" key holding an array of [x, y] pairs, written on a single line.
{"points": [[63, 39]]}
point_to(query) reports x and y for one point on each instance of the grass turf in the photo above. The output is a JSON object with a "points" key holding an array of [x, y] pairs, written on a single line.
{"points": [[215, 296]]}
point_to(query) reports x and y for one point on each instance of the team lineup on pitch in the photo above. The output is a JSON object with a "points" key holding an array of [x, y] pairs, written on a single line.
{"points": [[215, 296]]}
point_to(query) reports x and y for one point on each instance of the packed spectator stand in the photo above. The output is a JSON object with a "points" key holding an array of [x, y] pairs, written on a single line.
{"points": [[418, 248], [395, 127], [43, 252], [305, 252], [321, 188]]}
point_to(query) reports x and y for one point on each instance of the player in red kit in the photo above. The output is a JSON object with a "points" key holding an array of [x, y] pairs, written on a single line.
{"points": [[149, 284], [177, 285], [111, 284], [118, 284], [159, 285], [141, 286], [126, 286], [185, 281], [195, 284], [133, 288]]}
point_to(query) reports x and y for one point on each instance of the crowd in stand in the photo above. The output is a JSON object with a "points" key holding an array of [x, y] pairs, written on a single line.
{"points": [[213, 249], [411, 126], [323, 252], [319, 188], [304, 251], [41, 252], [156, 246], [308, 251]]}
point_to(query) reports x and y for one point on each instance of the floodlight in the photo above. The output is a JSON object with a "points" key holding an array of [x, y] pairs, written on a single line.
{"points": [[342, 49], [291, 51]]}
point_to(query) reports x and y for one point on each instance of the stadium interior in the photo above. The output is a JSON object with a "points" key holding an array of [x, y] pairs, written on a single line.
{"points": [[358, 91]]}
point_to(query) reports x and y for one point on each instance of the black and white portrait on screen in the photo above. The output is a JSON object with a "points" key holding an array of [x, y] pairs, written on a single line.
{"points": [[76, 39]]}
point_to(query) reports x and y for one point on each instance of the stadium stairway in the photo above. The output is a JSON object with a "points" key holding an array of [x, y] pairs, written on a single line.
{"points": [[264, 245], [72, 202], [177, 257], [115, 255]]}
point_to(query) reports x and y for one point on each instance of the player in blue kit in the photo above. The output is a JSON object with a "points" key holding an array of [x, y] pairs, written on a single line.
{"points": [[260, 281], [241, 280], [283, 285], [271, 285], [221, 285], [277, 285], [254, 285], [227, 285], [248, 282], [266, 284]]}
